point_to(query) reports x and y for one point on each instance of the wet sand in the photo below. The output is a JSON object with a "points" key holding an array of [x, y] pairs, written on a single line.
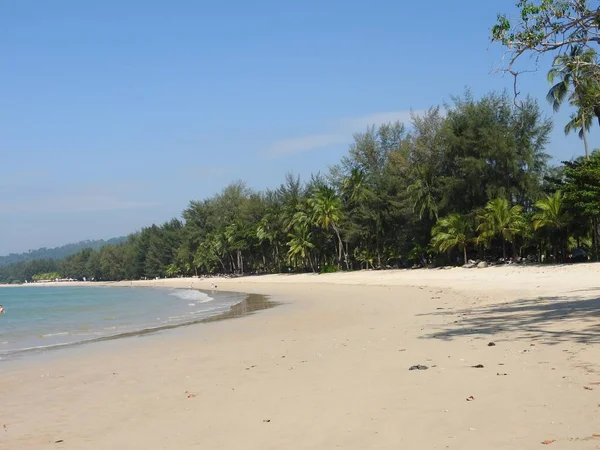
{"points": [[329, 368]]}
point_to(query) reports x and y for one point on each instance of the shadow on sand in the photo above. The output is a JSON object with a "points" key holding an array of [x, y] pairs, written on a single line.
{"points": [[552, 320]]}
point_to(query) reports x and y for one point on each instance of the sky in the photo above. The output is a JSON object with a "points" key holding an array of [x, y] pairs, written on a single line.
{"points": [[115, 114]]}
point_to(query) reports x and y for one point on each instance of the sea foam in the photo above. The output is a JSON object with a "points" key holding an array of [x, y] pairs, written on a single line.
{"points": [[192, 295]]}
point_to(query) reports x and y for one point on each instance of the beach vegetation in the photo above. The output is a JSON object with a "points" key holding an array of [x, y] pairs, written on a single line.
{"points": [[49, 276], [453, 231], [469, 178]]}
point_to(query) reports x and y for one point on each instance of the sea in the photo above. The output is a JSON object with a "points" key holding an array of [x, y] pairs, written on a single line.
{"points": [[38, 319]]}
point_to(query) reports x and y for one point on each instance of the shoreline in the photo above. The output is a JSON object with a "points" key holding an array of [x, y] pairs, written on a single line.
{"points": [[511, 277], [330, 368], [250, 304]]}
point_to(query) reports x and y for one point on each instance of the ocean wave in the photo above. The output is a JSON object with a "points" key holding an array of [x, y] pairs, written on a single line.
{"points": [[192, 295], [205, 312], [62, 333], [37, 347], [183, 314], [100, 336]]}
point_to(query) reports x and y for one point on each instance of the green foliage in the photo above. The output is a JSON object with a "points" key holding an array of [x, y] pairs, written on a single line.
{"points": [[551, 212], [45, 276], [548, 25], [172, 270], [579, 84], [500, 219], [453, 231], [300, 245], [472, 180], [569, 31], [25, 270], [582, 185], [57, 253], [552, 215], [329, 268]]}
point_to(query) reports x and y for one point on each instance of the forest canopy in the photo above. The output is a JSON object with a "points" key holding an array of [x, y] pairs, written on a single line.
{"points": [[470, 181]]}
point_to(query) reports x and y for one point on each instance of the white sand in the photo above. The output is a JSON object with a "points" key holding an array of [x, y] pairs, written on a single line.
{"points": [[329, 369]]}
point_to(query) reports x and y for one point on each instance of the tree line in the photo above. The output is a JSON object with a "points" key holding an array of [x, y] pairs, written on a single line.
{"points": [[471, 181], [57, 252]]}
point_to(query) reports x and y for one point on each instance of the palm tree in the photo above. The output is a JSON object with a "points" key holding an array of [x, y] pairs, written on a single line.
{"points": [[581, 122], [552, 214], [268, 231], [327, 214], [354, 186], [575, 70], [452, 231], [173, 270], [300, 245], [498, 218]]}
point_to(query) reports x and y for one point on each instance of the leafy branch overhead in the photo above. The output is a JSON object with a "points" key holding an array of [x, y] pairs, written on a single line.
{"points": [[548, 26], [569, 32]]}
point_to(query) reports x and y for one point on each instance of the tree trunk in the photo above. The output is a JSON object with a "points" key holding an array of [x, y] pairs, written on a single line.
{"points": [[377, 246], [310, 262], [595, 237], [340, 248], [561, 248], [504, 249], [584, 137], [347, 257], [465, 253], [222, 264]]}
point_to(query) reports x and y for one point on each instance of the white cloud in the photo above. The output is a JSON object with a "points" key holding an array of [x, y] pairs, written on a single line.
{"points": [[340, 133]]}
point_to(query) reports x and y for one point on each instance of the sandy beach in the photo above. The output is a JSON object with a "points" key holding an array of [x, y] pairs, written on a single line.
{"points": [[329, 368]]}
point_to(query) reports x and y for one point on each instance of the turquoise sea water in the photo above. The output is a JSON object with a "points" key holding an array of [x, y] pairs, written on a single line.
{"points": [[39, 318]]}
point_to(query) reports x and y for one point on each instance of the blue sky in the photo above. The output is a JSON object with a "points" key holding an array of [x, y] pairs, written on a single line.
{"points": [[115, 114]]}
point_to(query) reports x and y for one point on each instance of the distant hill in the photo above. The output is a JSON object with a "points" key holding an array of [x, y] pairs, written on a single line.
{"points": [[58, 252]]}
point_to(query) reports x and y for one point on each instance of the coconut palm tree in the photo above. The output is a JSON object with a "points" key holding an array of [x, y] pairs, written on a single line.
{"points": [[498, 218], [580, 122], [452, 231], [172, 270], [300, 245], [552, 214], [327, 214], [354, 186], [577, 82]]}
